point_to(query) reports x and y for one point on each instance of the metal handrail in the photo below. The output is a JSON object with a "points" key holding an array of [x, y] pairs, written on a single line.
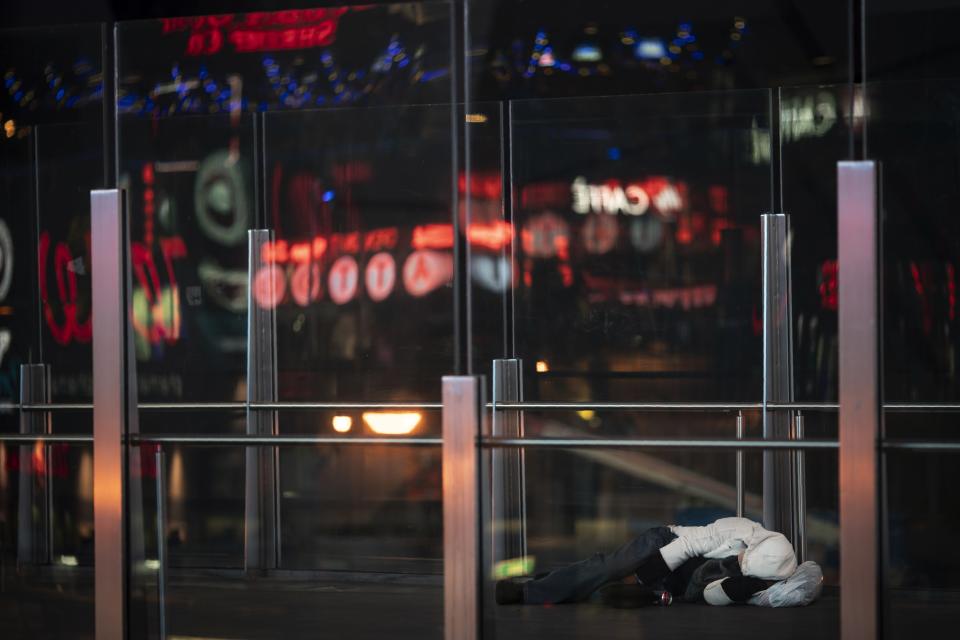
{"points": [[915, 445], [233, 406], [623, 406], [264, 441], [894, 407], [18, 438], [642, 443], [658, 443]]}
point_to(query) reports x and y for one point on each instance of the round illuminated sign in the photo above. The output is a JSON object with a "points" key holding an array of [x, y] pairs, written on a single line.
{"points": [[269, 286], [342, 283], [380, 276], [305, 283]]}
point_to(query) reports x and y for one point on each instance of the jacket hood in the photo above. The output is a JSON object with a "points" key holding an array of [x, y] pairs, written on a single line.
{"points": [[770, 557]]}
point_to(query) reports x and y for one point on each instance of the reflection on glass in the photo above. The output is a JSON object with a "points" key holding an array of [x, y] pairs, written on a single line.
{"points": [[191, 195], [637, 249], [361, 268]]}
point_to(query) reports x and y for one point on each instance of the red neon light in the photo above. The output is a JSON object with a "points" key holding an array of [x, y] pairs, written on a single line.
{"points": [[70, 328], [274, 252], [432, 236], [248, 40], [828, 288], [300, 253], [379, 239], [493, 235], [258, 31], [345, 242], [483, 184], [158, 329]]}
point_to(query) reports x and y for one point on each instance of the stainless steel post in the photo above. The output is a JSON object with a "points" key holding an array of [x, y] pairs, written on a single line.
{"points": [[462, 416], [114, 409], [262, 485], [35, 499], [161, 542], [860, 417], [740, 488], [508, 518], [778, 477], [800, 488]]}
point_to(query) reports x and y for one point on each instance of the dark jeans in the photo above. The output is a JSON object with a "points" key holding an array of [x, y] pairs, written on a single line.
{"points": [[577, 581]]}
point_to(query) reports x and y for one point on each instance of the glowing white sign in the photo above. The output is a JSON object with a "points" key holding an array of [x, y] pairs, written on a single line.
{"points": [[609, 198]]}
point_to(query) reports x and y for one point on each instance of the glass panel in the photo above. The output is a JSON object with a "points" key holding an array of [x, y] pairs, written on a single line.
{"points": [[191, 197], [51, 155], [912, 130], [363, 238], [815, 130], [332, 129], [639, 245], [636, 277]]}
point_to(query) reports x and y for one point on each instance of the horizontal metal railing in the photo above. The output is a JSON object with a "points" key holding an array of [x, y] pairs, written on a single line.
{"points": [[894, 407], [271, 441], [624, 406], [17, 438], [490, 442], [236, 406], [657, 443]]}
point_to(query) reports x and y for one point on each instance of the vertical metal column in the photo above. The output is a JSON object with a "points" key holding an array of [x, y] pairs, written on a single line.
{"points": [[112, 410], [508, 484], [800, 491], [859, 290], [35, 510], [161, 542], [778, 478], [741, 489], [462, 415], [262, 484]]}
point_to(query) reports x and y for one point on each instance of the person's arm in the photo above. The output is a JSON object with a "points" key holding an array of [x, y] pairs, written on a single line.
{"points": [[737, 589], [705, 541]]}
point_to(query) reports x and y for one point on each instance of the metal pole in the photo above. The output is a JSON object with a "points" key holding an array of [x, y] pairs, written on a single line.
{"points": [[508, 512], [800, 467], [461, 575], [778, 478], [110, 406], [262, 501], [35, 533], [740, 487], [859, 258], [162, 541]]}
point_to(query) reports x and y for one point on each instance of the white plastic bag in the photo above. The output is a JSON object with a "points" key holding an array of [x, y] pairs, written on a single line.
{"points": [[800, 589]]}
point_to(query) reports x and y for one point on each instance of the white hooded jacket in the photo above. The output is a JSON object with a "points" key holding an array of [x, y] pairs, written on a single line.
{"points": [[766, 554]]}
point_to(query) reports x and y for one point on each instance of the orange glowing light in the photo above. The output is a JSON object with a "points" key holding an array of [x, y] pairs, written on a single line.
{"points": [[432, 236], [542, 366], [300, 252], [392, 424], [342, 424], [494, 235]]}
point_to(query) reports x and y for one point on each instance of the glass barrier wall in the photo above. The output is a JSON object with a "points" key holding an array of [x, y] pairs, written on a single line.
{"points": [[911, 118], [52, 153], [643, 146], [291, 185]]}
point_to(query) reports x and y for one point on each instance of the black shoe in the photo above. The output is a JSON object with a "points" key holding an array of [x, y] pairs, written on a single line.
{"points": [[509, 591]]}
